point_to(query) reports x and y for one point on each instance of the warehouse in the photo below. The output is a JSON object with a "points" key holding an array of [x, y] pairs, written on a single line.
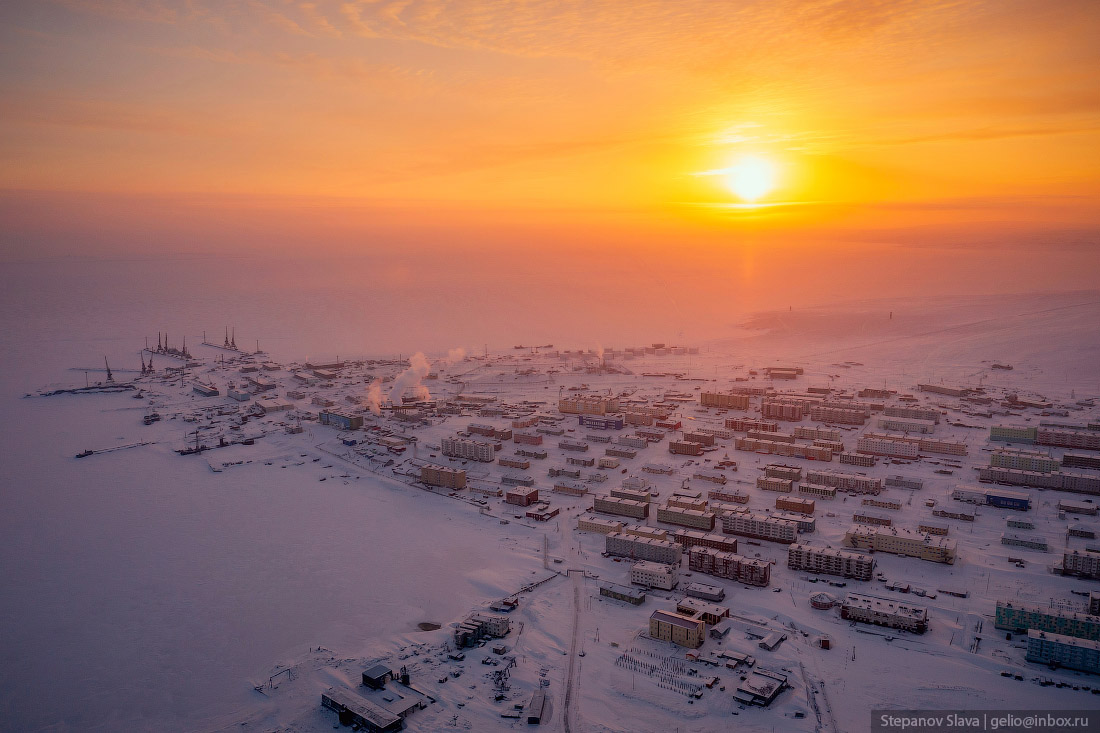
{"points": [[840, 561], [944, 390], [654, 575], [882, 612]]}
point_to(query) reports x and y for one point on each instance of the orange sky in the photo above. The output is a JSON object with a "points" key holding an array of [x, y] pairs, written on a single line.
{"points": [[588, 122]]}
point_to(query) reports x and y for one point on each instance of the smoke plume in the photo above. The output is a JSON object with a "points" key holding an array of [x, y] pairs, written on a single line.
{"points": [[410, 380], [374, 397]]}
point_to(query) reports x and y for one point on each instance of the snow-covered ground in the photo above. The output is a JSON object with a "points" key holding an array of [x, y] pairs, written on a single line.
{"points": [[142, 590]]}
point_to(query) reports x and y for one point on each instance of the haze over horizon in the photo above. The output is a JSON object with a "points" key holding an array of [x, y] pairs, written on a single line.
{"points": [[920, 139]]}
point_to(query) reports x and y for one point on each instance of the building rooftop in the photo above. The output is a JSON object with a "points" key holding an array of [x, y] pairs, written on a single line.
{"points": [[676, 619], [882, 605]]}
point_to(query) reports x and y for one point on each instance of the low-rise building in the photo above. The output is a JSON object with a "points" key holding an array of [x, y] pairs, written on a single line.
{"points": [[521, 496], [677, 628], [633, 596], [812, 489], [882, 612], [599, 525], [654, 575], [900, 541], [795, 504], [710, 613], [781, 485]]}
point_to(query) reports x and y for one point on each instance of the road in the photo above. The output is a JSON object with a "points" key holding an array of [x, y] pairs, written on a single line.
{"points": [[570, 677]]}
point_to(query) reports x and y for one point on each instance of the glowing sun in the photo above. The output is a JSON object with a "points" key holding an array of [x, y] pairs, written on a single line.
{"points": [[751, 177]]}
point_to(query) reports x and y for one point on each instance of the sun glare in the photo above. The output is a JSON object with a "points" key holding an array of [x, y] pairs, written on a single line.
{"points": [[751, 177]]}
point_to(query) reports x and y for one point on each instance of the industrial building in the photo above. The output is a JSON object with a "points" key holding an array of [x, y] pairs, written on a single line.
{"points": [[900, 541], [846, 481], [677, 628], [839, 561], [474, 450], [479, 626], [654, 575], [760, 687], [747, 570], [354, 709], [340, 419], [1020, 617], [882, 612], [448, 478], [622, 507], [760, 526], [944, 390], [205, 390], [1059, 650], [1000, 498], [621, 544]]}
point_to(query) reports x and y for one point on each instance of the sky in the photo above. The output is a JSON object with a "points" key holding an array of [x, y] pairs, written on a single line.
{"points": [[557, 129]]}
